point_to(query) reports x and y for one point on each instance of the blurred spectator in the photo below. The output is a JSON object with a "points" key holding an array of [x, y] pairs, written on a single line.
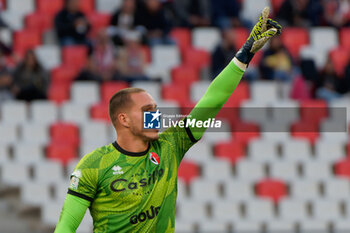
{"points": [[300, 13], [193, 13], [103, 55], [152, 17], [337, 12], [224, 52], [5, 80], [30, 79], [89, 72], [71, 24], [276, 63], [132, 59], [225, 13], [122, 21]]}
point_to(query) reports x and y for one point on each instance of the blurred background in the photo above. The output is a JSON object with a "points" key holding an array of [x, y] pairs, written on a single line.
{"points": [[61, 61]]}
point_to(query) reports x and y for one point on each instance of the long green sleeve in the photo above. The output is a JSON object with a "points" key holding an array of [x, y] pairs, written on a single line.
{"points": [[73, 212], [216, 96]]}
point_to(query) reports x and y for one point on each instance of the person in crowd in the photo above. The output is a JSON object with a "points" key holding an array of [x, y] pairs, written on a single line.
{"points": [[301, 13], [131, 59], [225, 14], [5, 80], [152, 18], [30, 79], [337, 13], [123, 20], [193, 13], [89, 72], [71, 25], [276, 63], [223, 52]]}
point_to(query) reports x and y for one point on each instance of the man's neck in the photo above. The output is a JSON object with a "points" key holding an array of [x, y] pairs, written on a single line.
{"points": [[132, 144]]}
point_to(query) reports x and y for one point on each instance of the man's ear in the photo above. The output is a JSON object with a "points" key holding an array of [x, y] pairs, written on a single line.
{"points": [[123, 119]]}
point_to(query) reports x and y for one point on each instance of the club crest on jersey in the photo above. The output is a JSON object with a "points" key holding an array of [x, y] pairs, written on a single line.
{"points": [[154, 158]]}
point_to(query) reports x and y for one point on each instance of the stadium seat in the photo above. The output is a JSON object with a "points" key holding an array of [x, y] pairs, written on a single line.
{"points": [[231, 151], [38, 22], [274, 189], [285, 170], [153, 88], [341, 226], [340, 59], [264, 91], [293, 39], [324, 38], [183, 226], [108, 89], [28, 153], [74, 56], [21, 6], [89, 146], [24, 40], [292, 209], [197, 58], [305, 189], [165, 57], [296, 150], [200, 153], [212, 226], [61, 152], [204, 190], [43, 112], [319, 170], [182, 37], [51, 51], [262, 150], [108, 6], [65, 133], [184, 75], [240, 94], [13, 19], [254, 111], [342, 168], [175, 92], [100, 112], [319, 56], [35, 193], [276, 5], [305, 131], [251, 9], [63, 74], [336, 189], [206, 38], [15, 174], [326, 210], [58, 93], [329, 151], [87, 6], [246, 190], [245, 131], [187, 208], [277, 226], [313, 110], [249, 170], [218, 170], [259, 210], [51, 212], [76, 113], [285, 111], [250, 226], [344, 34], [8, 133], [94, 131], [188, 171], [241, 35], [35, 133], [198, 89], [14, 112], [4, 154], [319, 226], [181, 191], [85, 93], [49, 7], [98, 21]]}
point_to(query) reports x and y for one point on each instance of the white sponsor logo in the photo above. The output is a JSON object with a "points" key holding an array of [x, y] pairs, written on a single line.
{"points": [[117, 170]]}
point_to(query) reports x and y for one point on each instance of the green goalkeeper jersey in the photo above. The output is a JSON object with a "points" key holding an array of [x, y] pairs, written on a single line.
{"points": [[133, 192]]}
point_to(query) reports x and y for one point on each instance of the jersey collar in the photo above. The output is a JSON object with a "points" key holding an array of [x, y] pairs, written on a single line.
{"points": [[128, 153]]}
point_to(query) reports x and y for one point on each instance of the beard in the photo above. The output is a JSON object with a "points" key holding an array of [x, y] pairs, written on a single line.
{"points": [[145, 135]]}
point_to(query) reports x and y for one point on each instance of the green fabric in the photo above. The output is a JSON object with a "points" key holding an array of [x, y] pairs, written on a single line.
{"points": [[216, 96], [73, 211]]}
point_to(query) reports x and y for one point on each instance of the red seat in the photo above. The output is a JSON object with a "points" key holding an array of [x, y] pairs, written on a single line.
{"points": [[98, 21], [344, 36], [108, 89], [188, 171], [182, 37], [313, 111], [147, 53], [175, 92], [58, 93], [293, 39], [187, 106], [38, 21], [257, 58], [66, 133], [63, 74], [232, 151], [241, 93], [26, 39], [241, 35], [340, 58], [49, 7], [100, 112], [276, 5], [74, 56], [272, 189], [243, 132], [87, 6], [184, 75], [3, 4], [61, 152], [342, 168], [305, 130], [197, 58]]}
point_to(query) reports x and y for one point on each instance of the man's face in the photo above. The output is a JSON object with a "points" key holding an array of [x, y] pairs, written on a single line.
{"points": [[142, 102]]}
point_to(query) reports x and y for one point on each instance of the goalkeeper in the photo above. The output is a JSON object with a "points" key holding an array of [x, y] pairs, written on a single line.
{"points": [[131, 185]]}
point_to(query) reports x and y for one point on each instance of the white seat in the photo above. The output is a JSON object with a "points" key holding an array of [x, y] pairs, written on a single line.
{"points": [[319, 56], [308, 226], [8, 133], [15, 173], [285, 111], [217, 135], [198, 89], [28, 153], [329, 151], [183, 226], [263, 150], [292, 209], [340, 137], [324, 38], [341, 226], [187, 208], [223, 210], [279, 137], [284, 170], [254, 111], [296, 150], [6, 36], [108, 6], [89, 146], [204, 190], [259, 210], [305, 189], [21, 6], [71, 166], [206, 38], [51, 213], [250, 170], [336, 128], [34, 193], [48, 172], [74, 112], [4, 154], [212, 226], [277, 226], [218, 170], [200, 153], [326, 210], [44, 112], [264, 91], [94, 131], [246, 190], [35, 133], [85, 92], [247, 226], [165, 57], [53, 52], [15, 20], [14, 112], [61, 189], [316, 170], [86, 224], [337, 188], [153, 88], [251, 9], [181, 190]]}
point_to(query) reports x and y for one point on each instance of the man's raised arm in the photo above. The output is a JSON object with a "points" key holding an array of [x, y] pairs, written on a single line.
{"points": [[226, 82]]}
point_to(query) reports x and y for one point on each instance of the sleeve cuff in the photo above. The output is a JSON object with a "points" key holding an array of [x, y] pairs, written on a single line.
{"points": [[71, 192], [189, 133]]}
